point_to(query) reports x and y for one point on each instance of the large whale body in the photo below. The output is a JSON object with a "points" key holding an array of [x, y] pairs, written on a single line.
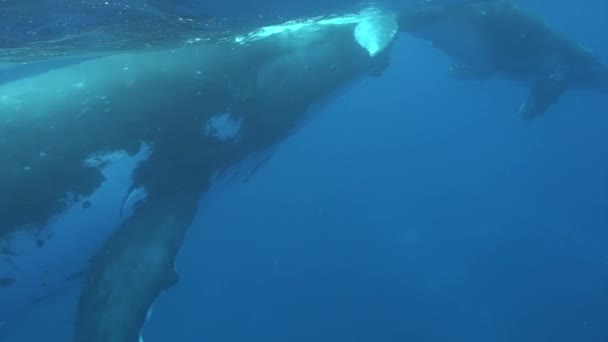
{"points": [[105, 161], [494, 38]]}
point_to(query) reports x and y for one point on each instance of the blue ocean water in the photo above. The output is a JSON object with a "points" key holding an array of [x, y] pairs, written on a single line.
{"points": [[413, 208]]}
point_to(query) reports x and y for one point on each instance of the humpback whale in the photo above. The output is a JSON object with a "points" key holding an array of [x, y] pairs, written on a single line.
{"points": [[105, 161], [494, 38]]}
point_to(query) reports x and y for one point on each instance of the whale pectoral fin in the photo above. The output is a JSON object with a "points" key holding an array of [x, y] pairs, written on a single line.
{"points": [[135, 266], [544, 93]]}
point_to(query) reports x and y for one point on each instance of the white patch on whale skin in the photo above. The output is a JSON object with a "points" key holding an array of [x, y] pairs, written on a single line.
{"points": [[223, 126], [43, 260], [101, 159], [375, 33]]}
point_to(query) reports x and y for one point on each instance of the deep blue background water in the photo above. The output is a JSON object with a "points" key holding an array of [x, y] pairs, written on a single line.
{"points": [[415, 208]]}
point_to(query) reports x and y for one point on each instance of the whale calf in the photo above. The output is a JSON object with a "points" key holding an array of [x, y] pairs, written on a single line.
{"points": [[494, 38]]}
